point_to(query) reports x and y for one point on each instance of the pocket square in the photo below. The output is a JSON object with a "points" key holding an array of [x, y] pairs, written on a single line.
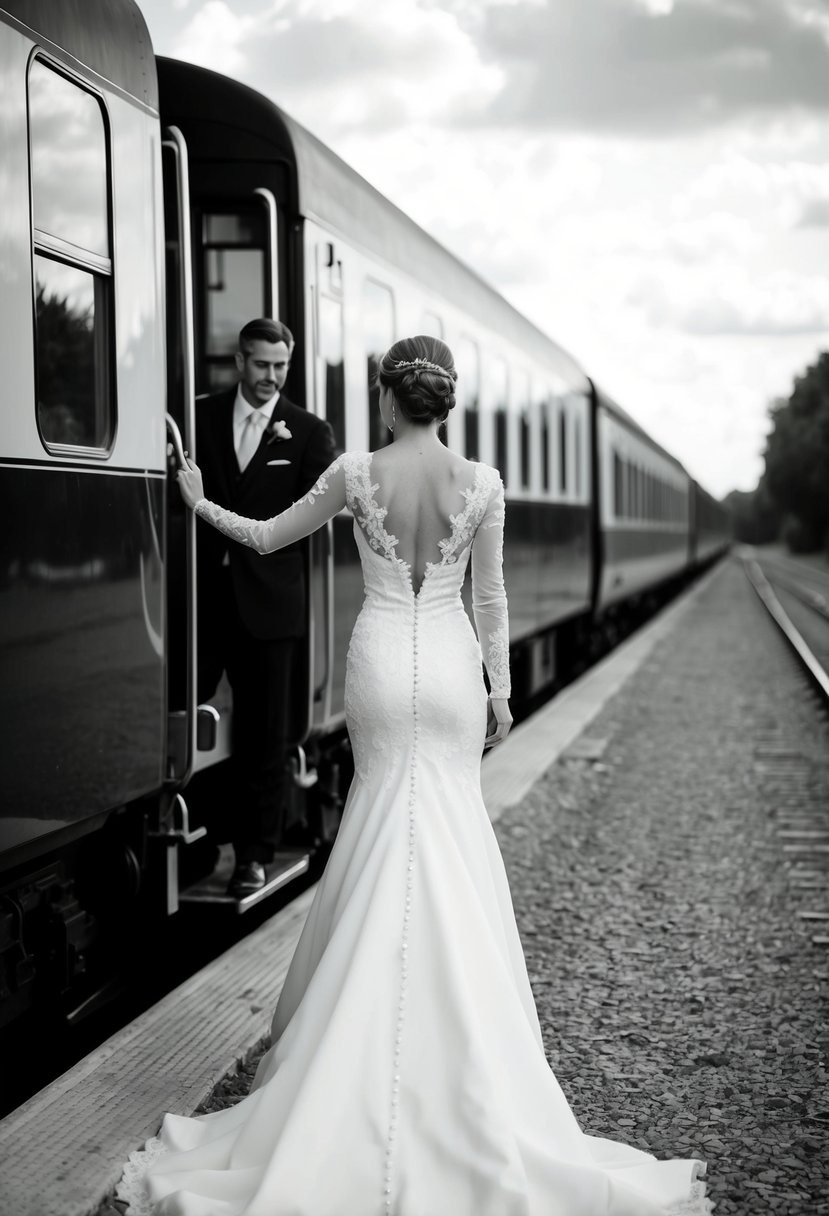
{"points": [[270, 462]]}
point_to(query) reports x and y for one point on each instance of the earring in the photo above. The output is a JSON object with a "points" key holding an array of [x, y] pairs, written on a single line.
{"points": [[391, 428]]}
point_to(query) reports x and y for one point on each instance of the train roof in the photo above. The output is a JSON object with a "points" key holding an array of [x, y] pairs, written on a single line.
{"points": [[332, 193], [108, 36]]}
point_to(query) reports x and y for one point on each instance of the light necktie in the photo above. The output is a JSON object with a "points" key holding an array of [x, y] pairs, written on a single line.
{"points": [[251, 435]]}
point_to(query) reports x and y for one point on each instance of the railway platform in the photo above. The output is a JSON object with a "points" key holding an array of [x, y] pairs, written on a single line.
{"points": [[664, 825]]}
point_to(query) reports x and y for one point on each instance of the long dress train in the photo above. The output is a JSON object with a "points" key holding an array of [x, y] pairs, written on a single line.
{"points": [[407, 1075]]}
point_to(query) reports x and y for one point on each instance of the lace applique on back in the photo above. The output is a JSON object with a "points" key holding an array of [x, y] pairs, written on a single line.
{"points": [[359, 493], [370, 516], [465, 524]]}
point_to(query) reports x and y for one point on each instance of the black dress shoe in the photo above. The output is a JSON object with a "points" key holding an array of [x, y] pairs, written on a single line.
{"points": [[249, 876]]}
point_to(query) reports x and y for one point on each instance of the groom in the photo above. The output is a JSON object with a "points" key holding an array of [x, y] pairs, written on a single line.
{"points": [[258, 453]]}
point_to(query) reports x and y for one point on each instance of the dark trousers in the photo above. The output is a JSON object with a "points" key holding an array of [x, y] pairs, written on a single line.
{"points": [[260, 676]]}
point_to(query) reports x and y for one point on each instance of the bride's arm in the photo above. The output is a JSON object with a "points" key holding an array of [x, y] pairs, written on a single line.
{"points": [[325, 498], [489, 606]]}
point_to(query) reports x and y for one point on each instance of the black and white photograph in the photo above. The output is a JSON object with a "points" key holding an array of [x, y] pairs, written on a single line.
{"points": [[414, 608]]}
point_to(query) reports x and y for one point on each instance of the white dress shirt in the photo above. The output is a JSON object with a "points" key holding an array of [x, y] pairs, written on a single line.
{"points": [[241, 411]]}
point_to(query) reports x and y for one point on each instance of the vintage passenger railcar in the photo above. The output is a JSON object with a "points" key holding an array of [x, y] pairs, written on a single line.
{"points": [[152, 207]]}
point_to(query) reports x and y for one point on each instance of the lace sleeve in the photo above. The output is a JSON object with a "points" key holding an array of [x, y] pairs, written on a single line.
{"points": [[301, 518], [489, 599]]}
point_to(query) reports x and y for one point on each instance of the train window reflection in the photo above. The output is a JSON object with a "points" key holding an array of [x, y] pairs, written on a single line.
{"points": [[377, 318], [331, 371], [72, 355], [69, 162]]}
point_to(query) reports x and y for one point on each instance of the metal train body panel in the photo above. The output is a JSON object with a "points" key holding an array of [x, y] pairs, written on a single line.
{"points": [[82, 575]]}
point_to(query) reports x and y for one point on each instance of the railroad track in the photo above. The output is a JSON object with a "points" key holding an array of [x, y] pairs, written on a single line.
{"points": [[797, 599], [782, 584]]}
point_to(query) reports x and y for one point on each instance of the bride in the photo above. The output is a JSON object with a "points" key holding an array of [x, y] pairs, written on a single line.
{"points": [[407, 1075]]}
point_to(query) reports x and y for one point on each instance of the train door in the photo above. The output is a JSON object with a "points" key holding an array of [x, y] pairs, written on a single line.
{"points": [[222, 266], [222, 270]]}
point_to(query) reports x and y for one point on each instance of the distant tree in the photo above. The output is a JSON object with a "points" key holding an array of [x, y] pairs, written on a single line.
{"points": [[796, 477], [754, 518]]}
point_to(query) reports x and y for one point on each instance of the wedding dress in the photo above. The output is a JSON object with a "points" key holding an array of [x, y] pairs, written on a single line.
{"points": [[407, 1075]]}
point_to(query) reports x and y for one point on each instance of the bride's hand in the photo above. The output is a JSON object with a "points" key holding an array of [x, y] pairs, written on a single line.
{"points": [[190, 483], [498, 721]]}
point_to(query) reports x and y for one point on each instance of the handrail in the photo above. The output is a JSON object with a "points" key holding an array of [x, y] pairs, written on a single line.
{"points": [[174, 141], [329, 624], [272, 301]]}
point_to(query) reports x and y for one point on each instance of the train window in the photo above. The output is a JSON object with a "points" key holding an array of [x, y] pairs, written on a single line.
{"points": [[546, 440], [500, 398], [468, 363], [69, 147], [233, 282], [431, 325], [71, 345], [378, 336], [618, 505], [562, 451], [331, 370], [524, 430], [72, 262], [577, 455]]}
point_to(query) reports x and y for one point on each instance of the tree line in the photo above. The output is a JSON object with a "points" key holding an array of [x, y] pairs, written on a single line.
{"points": [[791, 501]]}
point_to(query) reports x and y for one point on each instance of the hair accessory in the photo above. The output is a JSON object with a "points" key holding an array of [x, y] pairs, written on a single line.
{"points": [[424, 364]]}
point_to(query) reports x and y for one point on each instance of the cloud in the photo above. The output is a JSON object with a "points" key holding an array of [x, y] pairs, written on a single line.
{"points": [[345, 67], [815, 214], [654, 69], [777, 304], [218, 38]]}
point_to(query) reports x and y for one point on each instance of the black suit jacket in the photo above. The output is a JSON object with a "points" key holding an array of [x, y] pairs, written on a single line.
{"points": [[269, 590]]}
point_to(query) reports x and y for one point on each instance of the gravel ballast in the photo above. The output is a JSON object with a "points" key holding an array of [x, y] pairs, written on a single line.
{"points": [[682, 999]]}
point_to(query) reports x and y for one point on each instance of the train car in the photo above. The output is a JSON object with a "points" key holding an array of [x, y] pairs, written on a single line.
{"points": [[644, 510], [710, 527], [83, 474]]}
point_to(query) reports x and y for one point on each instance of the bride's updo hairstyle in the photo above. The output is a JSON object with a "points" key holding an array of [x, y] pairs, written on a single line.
{"points": [[421, 374]]}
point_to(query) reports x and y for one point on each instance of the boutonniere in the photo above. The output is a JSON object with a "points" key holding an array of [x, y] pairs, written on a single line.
{"points": [[277, 430]]}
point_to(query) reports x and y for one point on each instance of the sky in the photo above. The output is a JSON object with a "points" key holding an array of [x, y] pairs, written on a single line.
{"points": [[646, 180]]}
